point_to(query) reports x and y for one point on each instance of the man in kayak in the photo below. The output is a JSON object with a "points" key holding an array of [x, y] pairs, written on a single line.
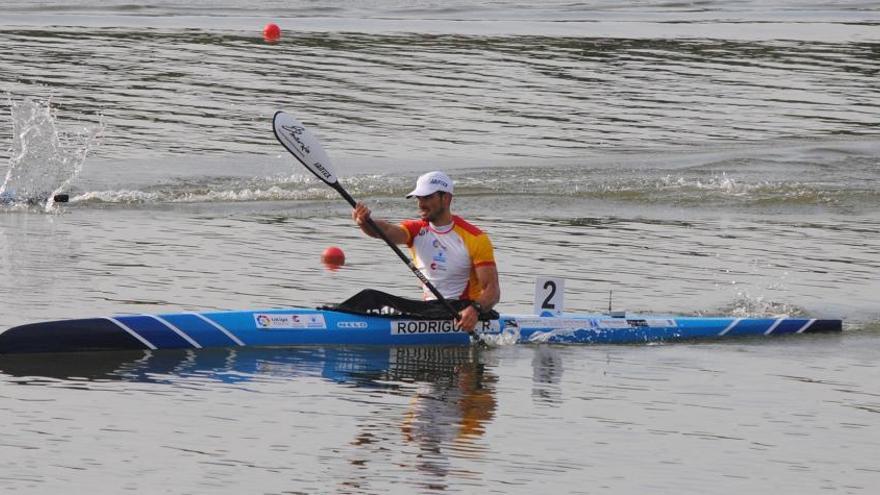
{"points": [[454, 255]]}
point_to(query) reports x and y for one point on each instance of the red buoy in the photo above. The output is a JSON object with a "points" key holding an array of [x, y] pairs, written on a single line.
{"points": [[333, 257], [271, 33]]}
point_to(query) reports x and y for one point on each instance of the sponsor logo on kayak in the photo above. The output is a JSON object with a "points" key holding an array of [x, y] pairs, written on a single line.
{"points": [[351, 324], [661, 323], [423, 327], [285, 321], [613, 323], [554, 323], [622, 323]]}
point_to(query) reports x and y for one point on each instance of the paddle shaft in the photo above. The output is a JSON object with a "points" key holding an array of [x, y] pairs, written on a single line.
{"points": [[418, 273]]}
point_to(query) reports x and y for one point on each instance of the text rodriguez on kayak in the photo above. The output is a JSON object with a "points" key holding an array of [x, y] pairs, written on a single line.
{"points": [[455, 256]]}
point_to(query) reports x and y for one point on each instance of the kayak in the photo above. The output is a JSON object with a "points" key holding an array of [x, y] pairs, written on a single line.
{"points": [[307, 327]]}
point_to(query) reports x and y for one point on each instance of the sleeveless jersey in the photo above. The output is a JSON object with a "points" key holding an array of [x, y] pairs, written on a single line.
{"points": [[449, 255]]}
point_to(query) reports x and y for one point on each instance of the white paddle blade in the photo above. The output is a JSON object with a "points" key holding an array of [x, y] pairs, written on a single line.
{"points": [[294, 136]]}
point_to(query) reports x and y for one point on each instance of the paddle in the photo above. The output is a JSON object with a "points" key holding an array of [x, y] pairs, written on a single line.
{"points": [[294, 136]]}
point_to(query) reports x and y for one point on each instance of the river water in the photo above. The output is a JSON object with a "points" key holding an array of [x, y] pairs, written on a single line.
{"points": [[681, 157]]}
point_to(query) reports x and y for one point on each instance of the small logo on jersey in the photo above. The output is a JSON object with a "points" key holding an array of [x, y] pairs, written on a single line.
{"points": [[439, 262]]}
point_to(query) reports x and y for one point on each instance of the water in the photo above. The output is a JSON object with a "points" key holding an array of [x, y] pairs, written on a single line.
{"points": [[692, 157]]}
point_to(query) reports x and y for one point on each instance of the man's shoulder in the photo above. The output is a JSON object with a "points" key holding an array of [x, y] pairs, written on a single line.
{"points": [[412, 228], [415, 222], [467, 226]]}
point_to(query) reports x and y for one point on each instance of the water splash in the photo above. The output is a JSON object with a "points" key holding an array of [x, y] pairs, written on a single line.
{"points": [[508, 336], [759, 306], [44, 159]]}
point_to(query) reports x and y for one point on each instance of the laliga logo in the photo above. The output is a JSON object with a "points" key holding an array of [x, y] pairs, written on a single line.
{"points": [[264, 321]]}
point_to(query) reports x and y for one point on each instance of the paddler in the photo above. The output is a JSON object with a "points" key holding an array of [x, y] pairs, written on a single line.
{"points": [[455, 256]]}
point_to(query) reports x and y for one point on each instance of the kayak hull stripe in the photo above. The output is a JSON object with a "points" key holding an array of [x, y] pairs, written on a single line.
{"points": [[217, 326], [806, 326], [202, 331], [156, 332], [730, 327], [788, 326], [773, 326], [751, 326], [133, 333], [177, 331]]}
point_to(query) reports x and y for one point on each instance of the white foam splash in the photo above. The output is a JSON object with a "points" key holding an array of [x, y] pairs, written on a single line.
{"points": [[747, 305], [201, 195], [507, 337], [44, 159]]}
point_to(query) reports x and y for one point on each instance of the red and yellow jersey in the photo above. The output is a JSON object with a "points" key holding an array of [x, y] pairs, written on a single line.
{"points": [[449, 255]]}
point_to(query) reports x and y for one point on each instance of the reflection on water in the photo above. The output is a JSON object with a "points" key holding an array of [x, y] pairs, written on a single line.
{"points": [[449, 391], [435, 419], [358, 366], [547, 376]]}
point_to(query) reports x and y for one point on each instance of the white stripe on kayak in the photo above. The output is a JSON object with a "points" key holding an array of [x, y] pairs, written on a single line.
{"points": [[176, 330], [730, 327], [133, 333], [218, 327], [773, 326], [806, 326]]}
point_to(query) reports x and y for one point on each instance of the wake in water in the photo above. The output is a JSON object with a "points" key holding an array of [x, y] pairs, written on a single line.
{"points": [[44, 159]]}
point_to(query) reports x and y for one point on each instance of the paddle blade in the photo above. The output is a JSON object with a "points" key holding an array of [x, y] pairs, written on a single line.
{"points": [[294, 136]]}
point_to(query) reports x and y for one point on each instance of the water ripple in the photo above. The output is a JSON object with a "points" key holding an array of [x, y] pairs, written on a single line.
{"points": [[191, 91]]}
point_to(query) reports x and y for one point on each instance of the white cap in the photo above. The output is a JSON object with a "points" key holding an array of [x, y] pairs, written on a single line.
{"points": [[430, 183]]}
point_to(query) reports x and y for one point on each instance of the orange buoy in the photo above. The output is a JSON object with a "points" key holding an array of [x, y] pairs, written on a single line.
{"points": [[271, 33], [333, 257]]}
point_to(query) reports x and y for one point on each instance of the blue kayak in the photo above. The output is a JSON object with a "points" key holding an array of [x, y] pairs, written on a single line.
{"points": [[297, 327]]}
